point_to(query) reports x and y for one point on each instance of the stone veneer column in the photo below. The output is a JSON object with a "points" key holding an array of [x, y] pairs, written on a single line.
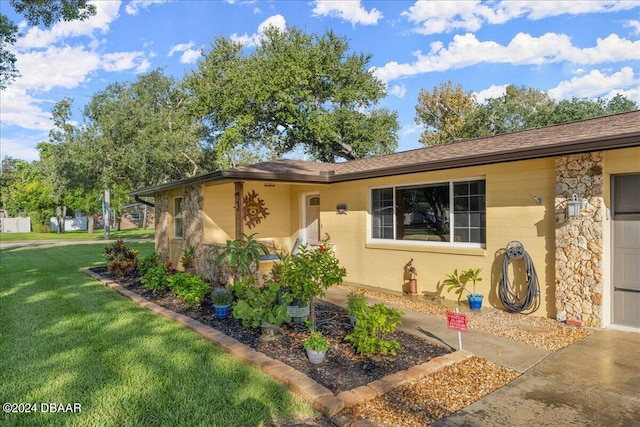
{"points": [[579, 241], [193, 234], [162, 224]]}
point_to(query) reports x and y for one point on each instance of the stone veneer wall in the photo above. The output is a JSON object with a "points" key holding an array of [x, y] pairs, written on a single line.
{"points": [[193, 232], [579, 241], [162, 224]]}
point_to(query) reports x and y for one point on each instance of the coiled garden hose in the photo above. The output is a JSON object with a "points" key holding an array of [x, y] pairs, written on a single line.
{"points": [[508, 296]]}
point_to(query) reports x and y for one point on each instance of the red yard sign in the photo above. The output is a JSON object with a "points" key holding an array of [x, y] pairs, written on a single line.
{"points": [[457, 321]]}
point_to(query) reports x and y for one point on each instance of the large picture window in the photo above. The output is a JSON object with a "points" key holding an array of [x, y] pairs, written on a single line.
{"points": [[450, 212], [177, 218]]}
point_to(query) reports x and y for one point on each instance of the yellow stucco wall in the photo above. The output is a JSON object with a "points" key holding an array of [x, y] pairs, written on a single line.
{"points": [[512, 214]]}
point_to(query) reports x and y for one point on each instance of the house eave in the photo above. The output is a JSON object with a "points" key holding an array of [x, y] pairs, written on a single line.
{"points": [[596, 144]]}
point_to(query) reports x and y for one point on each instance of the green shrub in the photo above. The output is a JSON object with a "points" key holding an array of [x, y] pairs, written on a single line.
{"points": [[149, 262], [258, 304], [156, 279], [123, 262], [189, 288], [373, 323], [356, 302]]}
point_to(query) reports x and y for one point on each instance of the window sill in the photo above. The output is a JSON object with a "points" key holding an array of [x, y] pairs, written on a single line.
{"points": [[443, 248]]}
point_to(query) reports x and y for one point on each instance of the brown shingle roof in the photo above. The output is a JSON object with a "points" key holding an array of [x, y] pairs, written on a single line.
{"points": [[600, 133]]}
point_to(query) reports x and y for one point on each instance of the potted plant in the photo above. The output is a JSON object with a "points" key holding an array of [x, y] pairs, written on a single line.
{"points": [[356, 302], [309, 274], [221, 299], [459, 283], [187, 259], [316, 346]]}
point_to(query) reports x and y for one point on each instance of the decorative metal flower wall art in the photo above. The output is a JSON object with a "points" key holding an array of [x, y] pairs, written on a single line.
{"points": [[254, 209]]}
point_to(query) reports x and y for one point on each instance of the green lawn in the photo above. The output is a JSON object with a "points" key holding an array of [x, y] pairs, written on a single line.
{"points": [[133, 233], [67, 339]]}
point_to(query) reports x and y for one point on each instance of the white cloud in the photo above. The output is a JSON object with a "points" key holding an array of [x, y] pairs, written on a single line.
{"points": [[18, 108], [596, 84], [189, 55], [136, 5], [35, 37], [351, 11], [56, 66], [493, 91], [634, 25], [398, 90], [411, 129], [181, 47], [466, 50], [121, 61], [434, 17], [20, 149], [276, 21]]}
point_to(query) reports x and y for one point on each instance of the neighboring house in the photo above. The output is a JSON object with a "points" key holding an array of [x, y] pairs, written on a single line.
{"points": [[137, 215], [454, 206]]}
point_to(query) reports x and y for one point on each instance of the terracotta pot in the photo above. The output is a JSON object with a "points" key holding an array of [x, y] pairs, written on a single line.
{"points": [[413, 286]]}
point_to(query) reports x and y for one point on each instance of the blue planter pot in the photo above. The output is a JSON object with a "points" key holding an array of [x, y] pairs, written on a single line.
{"points": [[475, 301], [222, 311]]}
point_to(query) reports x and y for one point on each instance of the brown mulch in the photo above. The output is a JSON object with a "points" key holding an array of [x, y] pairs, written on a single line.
{"points": [[342, 368]]}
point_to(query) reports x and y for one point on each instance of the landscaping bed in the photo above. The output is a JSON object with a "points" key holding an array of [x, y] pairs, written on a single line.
{"points": [[342, 368]]}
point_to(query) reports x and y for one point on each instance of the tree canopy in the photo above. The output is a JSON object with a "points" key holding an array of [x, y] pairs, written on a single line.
{"points": [[294, 90], [449, 114], [36, 12]]}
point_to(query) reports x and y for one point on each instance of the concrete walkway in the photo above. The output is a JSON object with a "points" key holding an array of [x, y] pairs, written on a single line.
{"points": [[594, 382], [502, 351]]}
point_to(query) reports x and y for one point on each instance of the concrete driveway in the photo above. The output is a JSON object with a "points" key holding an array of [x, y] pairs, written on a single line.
{"points": [[594, 382]]}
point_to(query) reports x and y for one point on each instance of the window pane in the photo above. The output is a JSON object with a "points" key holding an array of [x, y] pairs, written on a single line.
{"points": [[470, 212], [425, 212], [382, 213], [177, 224], [422, 212]]}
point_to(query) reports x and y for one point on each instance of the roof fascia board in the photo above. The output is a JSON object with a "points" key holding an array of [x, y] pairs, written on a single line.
{"points": [[632, 140], [328, 177]]}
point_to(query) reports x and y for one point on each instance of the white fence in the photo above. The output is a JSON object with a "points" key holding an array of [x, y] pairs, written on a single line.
{"points": [[15, 225], [70, 224]]}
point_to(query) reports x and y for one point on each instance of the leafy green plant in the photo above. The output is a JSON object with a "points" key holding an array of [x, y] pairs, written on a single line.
{"points": [[156, 279], [187, 257], [458, 283], [309, 274], [242, 256], [189, 288], [258, 304], [356, 302], [122, 261], [221, 297], [317, 342], [373, 323], [149, 262]]}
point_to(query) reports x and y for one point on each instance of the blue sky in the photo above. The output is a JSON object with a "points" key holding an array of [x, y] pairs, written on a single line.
{"points": [[567, 48]]}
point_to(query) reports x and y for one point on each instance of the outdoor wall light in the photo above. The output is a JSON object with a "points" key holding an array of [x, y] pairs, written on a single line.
{"points": [[538, 200], [573, 206], [341, 209]]}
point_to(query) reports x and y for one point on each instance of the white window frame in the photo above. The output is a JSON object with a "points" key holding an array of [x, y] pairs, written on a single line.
{"points": [[178, 218], [410, 243]]}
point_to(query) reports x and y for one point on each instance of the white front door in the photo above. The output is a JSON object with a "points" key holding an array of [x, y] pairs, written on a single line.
{"points": [[312, 219], [626, 250]]}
